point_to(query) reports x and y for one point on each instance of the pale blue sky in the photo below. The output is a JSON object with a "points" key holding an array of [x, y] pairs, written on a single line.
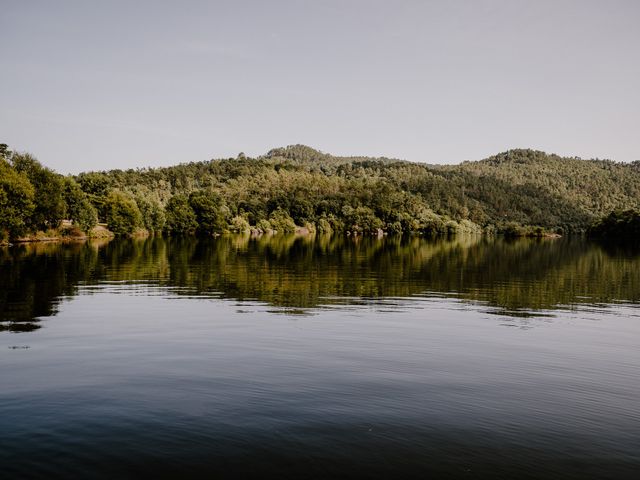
{"points": [[110, 84]]}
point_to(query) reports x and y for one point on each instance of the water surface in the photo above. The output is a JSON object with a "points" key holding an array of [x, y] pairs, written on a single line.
{"points": [[296, 357]]}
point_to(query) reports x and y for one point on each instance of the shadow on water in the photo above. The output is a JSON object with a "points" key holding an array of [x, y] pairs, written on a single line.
{"points": [[295, 275]]}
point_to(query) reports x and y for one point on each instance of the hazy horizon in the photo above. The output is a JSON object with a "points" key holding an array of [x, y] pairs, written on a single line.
{"points": [[101, 86]]}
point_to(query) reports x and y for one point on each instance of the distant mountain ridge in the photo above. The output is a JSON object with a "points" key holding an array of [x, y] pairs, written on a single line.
{"points": [[516, 192], [523, 186]]}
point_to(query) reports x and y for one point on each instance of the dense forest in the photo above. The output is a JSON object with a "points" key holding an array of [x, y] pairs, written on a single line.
{"points": [[287, 189], [618, 225]]}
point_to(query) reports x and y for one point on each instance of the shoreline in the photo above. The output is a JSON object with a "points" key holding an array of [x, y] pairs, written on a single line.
{"points": [[302, 232]]}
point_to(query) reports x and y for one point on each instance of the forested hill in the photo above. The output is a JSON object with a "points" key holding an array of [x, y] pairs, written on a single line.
{"points": [[297, 185]]}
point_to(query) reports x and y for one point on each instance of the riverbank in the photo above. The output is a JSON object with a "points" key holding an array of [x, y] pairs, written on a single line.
{"points": [[65, 233], [103, 233]]}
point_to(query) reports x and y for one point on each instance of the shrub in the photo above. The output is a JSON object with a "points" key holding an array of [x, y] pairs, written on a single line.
{"points": [[324, 226], [281, 221], [239, 225], [264, 226]]}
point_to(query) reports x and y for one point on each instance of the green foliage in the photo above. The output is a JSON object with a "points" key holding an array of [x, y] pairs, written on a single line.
{"points": [[153, 215], [96, 185], [49, 188], [16, 201], [180, 217], [281, 221], [239, 225], [324, 226], [361, 220], [78, 207], [208, 211], [618, 225], [518, 192], [513, 230], [5, 153], [123, 215], [264, 225]]}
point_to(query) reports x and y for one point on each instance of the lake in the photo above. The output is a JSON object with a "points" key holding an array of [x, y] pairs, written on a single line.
{"points": [[297, 357]]}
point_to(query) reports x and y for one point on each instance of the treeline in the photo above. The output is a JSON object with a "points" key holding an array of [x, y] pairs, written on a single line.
{"points": [[519, 192], [622, 225], [34, 198]]}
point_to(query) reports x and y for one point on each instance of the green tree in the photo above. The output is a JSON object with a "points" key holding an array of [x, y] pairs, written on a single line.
{"points": [[618, 225], [123, 215], [49, 188], [180, 217], [5, 153], [96, 185], [281, 221], [78, 207], [361, 219], [208, 211], [153, 216], [16, 201], [239, 224]]}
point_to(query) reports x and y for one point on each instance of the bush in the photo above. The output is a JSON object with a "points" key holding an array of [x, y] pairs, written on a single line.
{"points": [[395, 228], [451, 227], [281, 221], [310, 226], [264, 226], [324, 226], [71, 231], [239, 225]]}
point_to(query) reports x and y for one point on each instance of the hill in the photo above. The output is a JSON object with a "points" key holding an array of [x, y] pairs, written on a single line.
{"points": [[514, 192]]}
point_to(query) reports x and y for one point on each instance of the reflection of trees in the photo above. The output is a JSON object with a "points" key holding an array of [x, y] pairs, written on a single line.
{"points": [[34, 277], [304, 272]]}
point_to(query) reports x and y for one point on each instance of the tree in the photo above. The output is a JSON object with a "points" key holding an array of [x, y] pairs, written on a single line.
{"points": [[16, 201], [239, 225], [48, 185], [78, 207], [208, 212], [281, 221], [618, 225], [5, 153], [361, 219], [96, 185], [123, 215], [181, 218], [153, 216]]}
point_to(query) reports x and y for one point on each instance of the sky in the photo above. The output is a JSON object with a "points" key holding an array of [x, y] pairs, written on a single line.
{"points": [[94, 85]]}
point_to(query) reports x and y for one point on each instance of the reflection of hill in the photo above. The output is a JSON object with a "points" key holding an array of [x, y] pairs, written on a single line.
{"points": [[302, 273]]}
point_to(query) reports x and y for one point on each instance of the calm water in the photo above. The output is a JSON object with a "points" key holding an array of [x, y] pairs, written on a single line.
{"points": [[320, 358]]}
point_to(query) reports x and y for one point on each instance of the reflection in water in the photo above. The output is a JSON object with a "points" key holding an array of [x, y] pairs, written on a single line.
{"points": [[298, 274], [180, 358]]}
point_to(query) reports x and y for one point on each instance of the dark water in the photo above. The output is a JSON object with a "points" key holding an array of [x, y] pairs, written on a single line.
{"points": [[320, 358]]}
